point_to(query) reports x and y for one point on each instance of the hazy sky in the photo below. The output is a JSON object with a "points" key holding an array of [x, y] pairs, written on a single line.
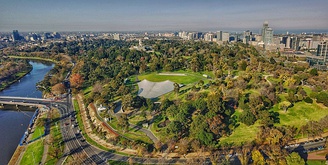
{"points": [[142, 15]]}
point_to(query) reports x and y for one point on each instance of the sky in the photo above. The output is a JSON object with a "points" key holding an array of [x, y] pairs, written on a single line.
{"points": [[161, 15]]}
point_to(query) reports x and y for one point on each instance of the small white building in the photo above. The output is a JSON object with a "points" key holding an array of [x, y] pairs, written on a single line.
{"points": [[101, 108]]}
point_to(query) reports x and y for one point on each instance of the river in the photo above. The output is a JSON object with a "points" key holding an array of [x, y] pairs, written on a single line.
{"points": [[13, 124]]}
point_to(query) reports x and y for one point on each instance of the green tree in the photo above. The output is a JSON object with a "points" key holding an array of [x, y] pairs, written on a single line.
{"points": [[322, 97], [172, 111], [200, 130], [127, 102], [174, 128], [123, 122], [294, 159], [247, 117], [176, 88], [214, 102], [314, 72]]}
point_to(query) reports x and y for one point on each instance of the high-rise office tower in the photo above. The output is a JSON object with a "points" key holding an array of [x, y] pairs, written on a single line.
{"points": [[219, 35], [225, 36], [247, 37], [16, 36], [267, 34]]}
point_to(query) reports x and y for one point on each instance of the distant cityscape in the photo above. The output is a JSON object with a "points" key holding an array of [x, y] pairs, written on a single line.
{"points": [[313, 46]]}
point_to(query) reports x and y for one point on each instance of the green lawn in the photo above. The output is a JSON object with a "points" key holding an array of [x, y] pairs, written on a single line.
{"points": [[133, 133], [189, 78], [308, 90], [87, 91], [316, 162], [138, 135], [300, 114], [38, 131], [241, 134], [33, 153], [57, 140]]}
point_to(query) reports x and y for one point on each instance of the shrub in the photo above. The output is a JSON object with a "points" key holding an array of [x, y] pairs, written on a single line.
{"points": [[308, 100]]}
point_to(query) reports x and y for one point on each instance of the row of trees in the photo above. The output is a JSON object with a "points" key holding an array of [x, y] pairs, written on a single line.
{"points": [[8, 68]]}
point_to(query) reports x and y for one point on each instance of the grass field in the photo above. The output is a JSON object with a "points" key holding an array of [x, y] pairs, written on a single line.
{"points": [[241, 134], [33, 153], [316, 162], [190, 77], [301, 113], [87, 91], [38, 131], [57, 139], [133, 133]]}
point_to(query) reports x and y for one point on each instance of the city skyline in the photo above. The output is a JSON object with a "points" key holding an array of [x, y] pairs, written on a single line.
{"points": [[146, 15]]}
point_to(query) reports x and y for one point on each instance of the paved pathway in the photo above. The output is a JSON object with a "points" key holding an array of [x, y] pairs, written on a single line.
{"points": [[45, 145], [146, 131], [266, 78]]}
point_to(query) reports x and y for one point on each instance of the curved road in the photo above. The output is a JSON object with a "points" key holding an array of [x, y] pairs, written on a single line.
{"points": [[75, 143]]}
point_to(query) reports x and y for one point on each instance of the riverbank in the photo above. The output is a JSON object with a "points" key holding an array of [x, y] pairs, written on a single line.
{"points": [[18, 75], [34, 58]]}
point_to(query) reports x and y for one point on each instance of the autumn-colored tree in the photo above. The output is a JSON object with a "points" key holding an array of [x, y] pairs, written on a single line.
{"points": [[58, 89], [183, 146], [76, 80], [257, 157], [243, 154]]}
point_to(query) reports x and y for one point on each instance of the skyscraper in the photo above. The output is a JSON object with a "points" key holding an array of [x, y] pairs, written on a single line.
{"points": [[219, 36], [267, 34], [247, 37], [15, 36], [225, 36]]}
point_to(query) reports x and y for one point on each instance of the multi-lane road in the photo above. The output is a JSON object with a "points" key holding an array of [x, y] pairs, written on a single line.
{"points": [[75, 142]]}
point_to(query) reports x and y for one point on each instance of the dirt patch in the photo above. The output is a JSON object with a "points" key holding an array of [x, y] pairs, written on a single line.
{"points": [[172, 74], [16, 155]]}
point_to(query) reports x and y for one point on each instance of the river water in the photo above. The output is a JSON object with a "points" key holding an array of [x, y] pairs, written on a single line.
{"points": [[13, 124]]}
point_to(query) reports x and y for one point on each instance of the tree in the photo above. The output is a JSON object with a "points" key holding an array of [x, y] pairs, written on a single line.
{"points": [[247, 117], [172, 111], [322, 98], [183, 146], [123, 122], [242, 65], [97, 88], [314, 72], [76, 80], [284, 105], [214, 102], [257, 157], [255, 103], [243, 155], [294, 159], [127, 102], [174, 128], [176, 88], [200, 130], [58, 89], [217, 125]]}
